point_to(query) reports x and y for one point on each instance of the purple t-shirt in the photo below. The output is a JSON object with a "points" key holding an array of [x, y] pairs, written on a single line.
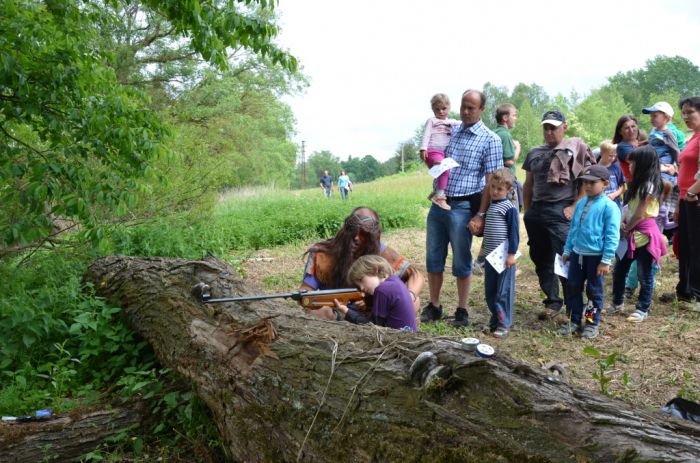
{"points": [[392, 304]]}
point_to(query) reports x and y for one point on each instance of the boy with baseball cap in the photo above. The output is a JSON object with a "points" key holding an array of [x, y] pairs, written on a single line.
{"points": [[589, 249]]}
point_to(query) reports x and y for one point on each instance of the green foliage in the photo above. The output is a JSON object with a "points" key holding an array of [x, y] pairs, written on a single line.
{"points": [[661, 74], [605, 363], [271, 218], [74, 140], [594, 119], [59, 341]]}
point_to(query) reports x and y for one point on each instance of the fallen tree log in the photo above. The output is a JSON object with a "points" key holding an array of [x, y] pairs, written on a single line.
{"points": [[283, 386], [65, 438]]}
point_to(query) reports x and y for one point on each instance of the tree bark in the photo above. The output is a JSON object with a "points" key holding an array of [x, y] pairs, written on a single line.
{"points": [[283, 386], [65, 438]]}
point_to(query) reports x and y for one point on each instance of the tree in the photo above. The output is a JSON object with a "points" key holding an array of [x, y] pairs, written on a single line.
{"points": [[320, 161], [595, 117], [659, 75], [75, 139], [495, 95], [283, 386]]}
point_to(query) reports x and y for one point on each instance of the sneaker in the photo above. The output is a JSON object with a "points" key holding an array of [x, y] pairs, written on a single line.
{"points": [[613, 309], [486, 329], [441, 202], [568, 328], [431, 313], [500, 333], [478, 266], [549, 312], [589, 331], [637, 316], [461, 318], [629, 293]]}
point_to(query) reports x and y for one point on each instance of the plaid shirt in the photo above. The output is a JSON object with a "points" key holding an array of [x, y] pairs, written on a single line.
{"points": [[478, 151]]}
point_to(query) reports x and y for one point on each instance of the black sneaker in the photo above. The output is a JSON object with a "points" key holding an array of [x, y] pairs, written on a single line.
{"points": [[430, 313], [461, 318]]}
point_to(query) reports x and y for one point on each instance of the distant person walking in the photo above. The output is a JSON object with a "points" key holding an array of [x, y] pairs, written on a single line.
{"points": [[326, 184], [344, 185]]}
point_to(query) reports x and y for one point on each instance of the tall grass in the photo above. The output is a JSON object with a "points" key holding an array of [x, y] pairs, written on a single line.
{"points": [[249, 220]]}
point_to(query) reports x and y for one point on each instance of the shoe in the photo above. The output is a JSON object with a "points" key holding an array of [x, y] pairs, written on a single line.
{"points": [[500, 333], [486, 329], [478, 266], [441, 202], [548, 313], [568, 328], [461, 318], [613, 309], [589, 331], [667, 298], [629, 293], [431, 313], [637, 316]]}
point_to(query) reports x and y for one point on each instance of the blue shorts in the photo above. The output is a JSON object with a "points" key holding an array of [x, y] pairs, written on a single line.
{"points": [[449, 227]]}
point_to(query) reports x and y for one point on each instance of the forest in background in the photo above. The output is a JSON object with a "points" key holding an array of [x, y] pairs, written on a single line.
{"points": [[122, 122]]}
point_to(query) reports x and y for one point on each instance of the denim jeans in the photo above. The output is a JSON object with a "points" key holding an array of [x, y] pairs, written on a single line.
{"points": [[500, 295], [644, 274], [546, 230], [582, 269], [449, 228], [632, 281], [343, 193]]}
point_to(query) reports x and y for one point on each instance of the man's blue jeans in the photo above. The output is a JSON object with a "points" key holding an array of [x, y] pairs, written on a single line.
{"points": [[449, 228]]}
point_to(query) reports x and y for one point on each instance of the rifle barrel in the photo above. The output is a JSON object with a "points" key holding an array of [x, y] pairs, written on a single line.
{"points": [[297, 295]]}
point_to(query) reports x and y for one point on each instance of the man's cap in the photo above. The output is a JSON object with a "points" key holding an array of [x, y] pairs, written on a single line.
{"points": [[661, 106], [553, 117], [595, 172]]}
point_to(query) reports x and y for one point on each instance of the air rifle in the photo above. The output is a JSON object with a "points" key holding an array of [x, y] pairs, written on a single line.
{"points": [[310, 299]]}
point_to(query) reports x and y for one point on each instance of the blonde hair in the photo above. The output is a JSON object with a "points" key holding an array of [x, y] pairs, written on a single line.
{"points": [[439, 98], [608, 147], [503, 176], [369, 265]]}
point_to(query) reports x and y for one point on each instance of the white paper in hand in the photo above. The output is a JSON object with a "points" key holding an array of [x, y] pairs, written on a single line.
{"points": [[497, 257], [561, 268], [446, 164]]}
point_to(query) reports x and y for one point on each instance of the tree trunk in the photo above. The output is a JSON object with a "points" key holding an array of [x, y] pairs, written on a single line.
{"points": [[283, 386], [64, 438]]}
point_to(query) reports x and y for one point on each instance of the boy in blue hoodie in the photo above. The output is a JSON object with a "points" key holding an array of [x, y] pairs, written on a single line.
{"points": [[590, 247]]}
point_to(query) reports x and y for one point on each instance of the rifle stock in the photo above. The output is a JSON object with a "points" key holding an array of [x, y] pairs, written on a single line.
{"points": [[306, 298]]}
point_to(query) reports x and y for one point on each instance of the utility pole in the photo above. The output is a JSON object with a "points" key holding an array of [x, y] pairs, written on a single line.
{"points": [[303, 164]]}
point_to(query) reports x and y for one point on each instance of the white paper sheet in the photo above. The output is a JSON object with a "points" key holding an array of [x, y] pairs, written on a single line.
{"points": [[560, 268], [497, 257], [622, 248], [446, 164]]}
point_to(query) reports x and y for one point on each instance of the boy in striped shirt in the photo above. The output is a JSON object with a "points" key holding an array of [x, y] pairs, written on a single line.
{"points": [[502, 224]]}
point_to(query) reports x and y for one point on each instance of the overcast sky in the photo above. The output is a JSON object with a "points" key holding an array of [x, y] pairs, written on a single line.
{"points": [[373, 65]]}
